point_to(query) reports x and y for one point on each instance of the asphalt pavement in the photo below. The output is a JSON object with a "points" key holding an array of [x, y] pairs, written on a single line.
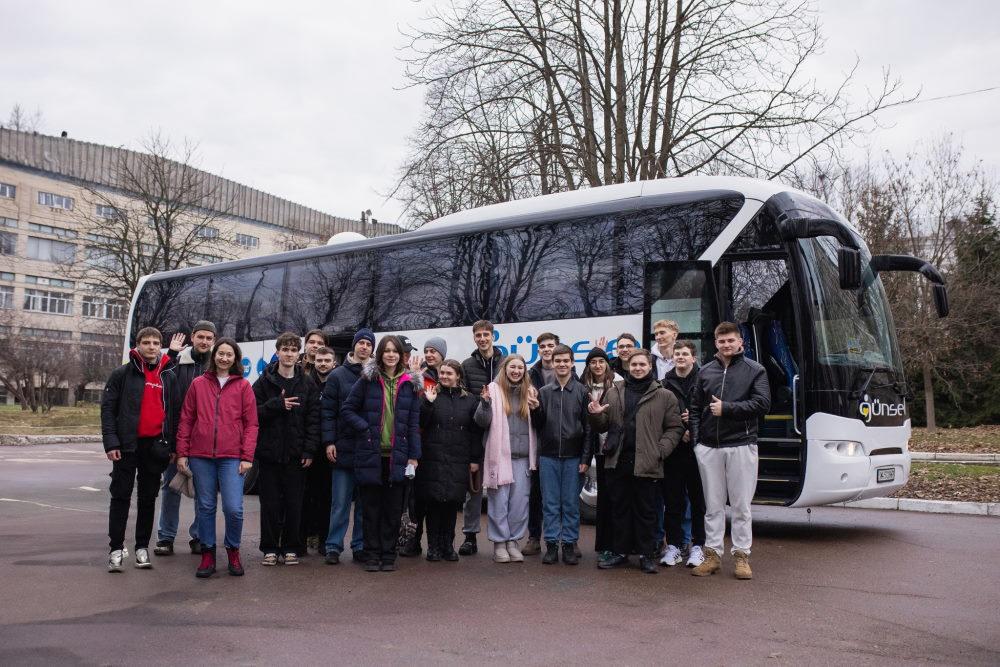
{"points": [[837, 586]]}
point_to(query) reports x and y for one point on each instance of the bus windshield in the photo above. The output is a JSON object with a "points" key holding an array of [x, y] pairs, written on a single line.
{"points": [[850, 327]]}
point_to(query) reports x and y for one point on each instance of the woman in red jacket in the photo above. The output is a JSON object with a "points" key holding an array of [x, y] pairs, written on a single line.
{"points": [[216, 439]]}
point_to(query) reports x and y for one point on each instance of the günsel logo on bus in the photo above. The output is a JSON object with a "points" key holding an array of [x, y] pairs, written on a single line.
{"points": [[873, 407]]}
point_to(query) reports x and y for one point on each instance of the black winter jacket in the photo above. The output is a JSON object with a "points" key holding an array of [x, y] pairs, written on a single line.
{"points": [[537, 375], [122, 399], [561, 420], [682, 388], [480, 372], [286, 436], [334, 430], [745, 394], [450, 441]]}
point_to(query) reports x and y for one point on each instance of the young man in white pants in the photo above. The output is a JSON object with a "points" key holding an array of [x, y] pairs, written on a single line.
{"points": [[731, 393]]}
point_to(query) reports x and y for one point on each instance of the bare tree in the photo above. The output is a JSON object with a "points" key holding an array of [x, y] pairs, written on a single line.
{"points": [[164, 214], [29, 370], [24, 121], [539, 96]]}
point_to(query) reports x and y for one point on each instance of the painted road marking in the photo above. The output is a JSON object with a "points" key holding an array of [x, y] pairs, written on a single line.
{"points": [[86, 488], [54, 507]]}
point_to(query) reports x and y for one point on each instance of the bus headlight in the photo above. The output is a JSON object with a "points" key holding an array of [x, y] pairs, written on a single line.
{"points": [[845, 447]]}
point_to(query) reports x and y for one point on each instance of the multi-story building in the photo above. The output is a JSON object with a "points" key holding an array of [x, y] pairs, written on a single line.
{"points": [[46, 183]]}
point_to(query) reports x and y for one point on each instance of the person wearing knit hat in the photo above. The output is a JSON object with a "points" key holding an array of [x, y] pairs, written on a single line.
{"points": [[364, 334], [597, 352], [438, 344], [204, 325]]}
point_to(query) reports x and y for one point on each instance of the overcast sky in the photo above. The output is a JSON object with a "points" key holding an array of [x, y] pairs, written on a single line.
{"points": [[306, 100]]}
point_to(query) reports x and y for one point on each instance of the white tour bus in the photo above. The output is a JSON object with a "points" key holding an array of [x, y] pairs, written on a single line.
{"points": [[594, 263]]}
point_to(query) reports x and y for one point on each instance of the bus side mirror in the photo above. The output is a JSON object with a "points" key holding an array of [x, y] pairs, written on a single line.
{"points": [[849, 268], [941, 300]]}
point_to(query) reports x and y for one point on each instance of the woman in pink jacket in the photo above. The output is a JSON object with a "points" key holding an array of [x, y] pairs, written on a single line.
{"points": [[216, 439]]}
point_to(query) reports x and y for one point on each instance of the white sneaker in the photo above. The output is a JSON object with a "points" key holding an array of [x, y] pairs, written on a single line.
{"points": [[115, 561], [672, 556], [500, 554], [696, 558], [142, 559], [515, 554]]}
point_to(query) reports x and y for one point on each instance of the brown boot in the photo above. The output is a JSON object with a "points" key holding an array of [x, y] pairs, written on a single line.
{"points": [[742, 567], [532, 547], [710, 565]]}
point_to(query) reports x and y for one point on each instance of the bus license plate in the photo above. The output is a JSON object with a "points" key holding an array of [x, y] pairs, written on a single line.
{"points": [[885, 475]]}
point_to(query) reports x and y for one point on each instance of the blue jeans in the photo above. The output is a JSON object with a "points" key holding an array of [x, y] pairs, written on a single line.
{"points": [[212, 476], [342, 492], [561, 482], [170, 508]]}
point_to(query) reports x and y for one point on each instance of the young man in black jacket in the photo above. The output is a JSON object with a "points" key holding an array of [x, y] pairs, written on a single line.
{"points": [[288, 413], [479, 369], [338, 439], [316, 497], [731, 393], [563, 426], [138, 412], [541, 374], [681, 478], [191, 362]]}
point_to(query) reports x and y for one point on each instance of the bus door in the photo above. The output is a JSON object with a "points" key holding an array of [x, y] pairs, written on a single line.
{"points": [[685, 293], [756, 293]]}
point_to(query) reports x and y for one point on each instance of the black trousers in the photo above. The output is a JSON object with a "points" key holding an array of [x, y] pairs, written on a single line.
{"points": [[604, 535], [634, 500], [142, 466], [681, 479], [441, 517], [316, 499], [381, 511], [418, 513], [535, 507], [280, 486]]}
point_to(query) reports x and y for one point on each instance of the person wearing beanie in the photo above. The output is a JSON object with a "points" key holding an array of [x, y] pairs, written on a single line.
{"points": [[191, 362], [598, 378], [644, 426]]}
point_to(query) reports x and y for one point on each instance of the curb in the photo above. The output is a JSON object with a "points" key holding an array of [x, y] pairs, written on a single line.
{"points": [[25, 440], [920, 505], [945, 457]]}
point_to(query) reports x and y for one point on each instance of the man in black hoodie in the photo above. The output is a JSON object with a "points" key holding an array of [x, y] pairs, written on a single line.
{"points": [[338, 440], [288, 414], [681, 478], [191, 362], [730, 395], [316, 497]]}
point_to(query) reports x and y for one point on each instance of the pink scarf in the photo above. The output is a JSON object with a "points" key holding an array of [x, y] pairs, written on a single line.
{"points": [[497, 469]]}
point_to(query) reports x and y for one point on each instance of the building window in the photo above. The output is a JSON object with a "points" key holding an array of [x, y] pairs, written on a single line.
{"points": [[100, 338], [103, 308], [49, 250], [55, 201], [197, 259], [58, 334], [206, 232], [55, 231], [247, 241], [6, 297], [8, 222], [8, 243], [106, 212], [43, 301], [51, 282], [7, 190], [6, 275]]}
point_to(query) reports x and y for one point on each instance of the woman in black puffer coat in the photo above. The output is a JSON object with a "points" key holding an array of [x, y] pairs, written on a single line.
{"points": [[452, 446]]}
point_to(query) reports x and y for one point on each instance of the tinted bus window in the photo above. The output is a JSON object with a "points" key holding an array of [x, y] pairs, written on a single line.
{"points": [[170, 305], [469, 297], [246, 304], [414, 285], [329, 293]]}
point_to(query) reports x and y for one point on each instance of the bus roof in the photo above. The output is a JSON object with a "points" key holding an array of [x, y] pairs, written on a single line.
{"points": [[523, 211]]}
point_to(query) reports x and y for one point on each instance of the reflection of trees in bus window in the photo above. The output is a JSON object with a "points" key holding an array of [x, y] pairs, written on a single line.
{"points": [[469, 294], [531, 277], [246, 304], [678, 232], [328, 293], [761, 233], [171, 306], [752, 284], [413, 286]]}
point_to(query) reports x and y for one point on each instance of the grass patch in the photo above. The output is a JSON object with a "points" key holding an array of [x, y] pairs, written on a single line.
{"points": [[974, 440], [953, 481], [84, 419]]}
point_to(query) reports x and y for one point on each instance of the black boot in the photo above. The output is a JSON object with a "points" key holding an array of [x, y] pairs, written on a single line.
{"points": [[469, 546], [551, 553], [569, 553], [648, 564]]}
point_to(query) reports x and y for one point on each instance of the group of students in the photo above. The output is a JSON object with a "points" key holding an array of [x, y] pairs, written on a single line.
{"points": [[391, 434]]}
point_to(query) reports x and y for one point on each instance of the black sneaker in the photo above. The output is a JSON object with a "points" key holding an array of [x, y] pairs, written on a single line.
{"points": [[469, 546], [613, 561], [648, 565], [195, 545], [411, 550], [332, 558], [450, 555], [373, 566], [551, 556], [164, 548], [570, 555], [433, 555], [389, 566]]}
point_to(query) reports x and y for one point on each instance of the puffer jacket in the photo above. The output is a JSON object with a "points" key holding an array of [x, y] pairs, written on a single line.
{"points": [[362, 412], [218, 422], [480, 372], [334, 429], [745, 394], [286, 435], [451, 440], [658, 428], [122, 401], [562, 423]]}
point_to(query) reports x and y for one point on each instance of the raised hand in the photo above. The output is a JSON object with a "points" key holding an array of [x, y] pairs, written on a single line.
{"points": [[602, 342], [596, 408], [415, 361], [716, 406], [485, 393], [177, 342], [431, 393], [532, 398]]}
